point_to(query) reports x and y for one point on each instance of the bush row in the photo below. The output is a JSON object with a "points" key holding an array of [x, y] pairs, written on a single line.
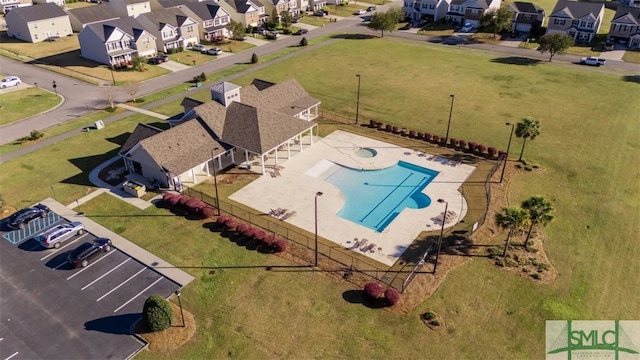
{"points": [[374, 291], [191, 204], [270, 241], [471, 146]]}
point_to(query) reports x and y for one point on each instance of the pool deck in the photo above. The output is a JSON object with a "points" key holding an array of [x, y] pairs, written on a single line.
{"points": [[297, 184]]}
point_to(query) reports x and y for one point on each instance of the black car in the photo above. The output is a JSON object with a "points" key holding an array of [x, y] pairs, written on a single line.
{"points": [[301, 32], [82, 254], [159, 59], [22, 217]]}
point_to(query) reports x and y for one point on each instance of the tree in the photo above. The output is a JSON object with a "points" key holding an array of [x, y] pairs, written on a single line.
{"points": [[254, 58], [497, 20], [286, 19], [304, 42], [384, 20], [236, 29], [110, 93], [139, 63], [157, 313], [511, 219], [132, 89], [539, 211], [527, 129], [555, 43]]}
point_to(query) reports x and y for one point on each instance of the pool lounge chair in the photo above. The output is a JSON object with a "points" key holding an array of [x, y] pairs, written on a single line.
{"points": [[288, 215], [363, 244]]}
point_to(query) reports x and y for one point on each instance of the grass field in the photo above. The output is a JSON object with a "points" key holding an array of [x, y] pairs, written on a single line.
{"points": [[589, 140], [21, 104]]}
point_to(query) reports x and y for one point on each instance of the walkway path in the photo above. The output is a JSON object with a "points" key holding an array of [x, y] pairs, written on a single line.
{"points": [[143, 111]]}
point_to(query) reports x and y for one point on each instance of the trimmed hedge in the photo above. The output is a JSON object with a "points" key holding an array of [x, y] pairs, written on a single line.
{"points": [[392, 296], [157, 313], [373, 290]]}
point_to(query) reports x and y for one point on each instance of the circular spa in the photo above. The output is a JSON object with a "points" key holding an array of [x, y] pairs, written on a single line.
{"points": [[366, 152]]}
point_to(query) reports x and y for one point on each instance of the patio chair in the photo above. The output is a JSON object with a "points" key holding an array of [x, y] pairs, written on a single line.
{"points": [[288, 215], [363, 244], [368, 248]]}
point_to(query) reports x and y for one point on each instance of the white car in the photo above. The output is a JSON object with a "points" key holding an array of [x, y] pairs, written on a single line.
{"points": [[197, 47], [10, 81], [361, 12], [467, 27], [212, 51]]}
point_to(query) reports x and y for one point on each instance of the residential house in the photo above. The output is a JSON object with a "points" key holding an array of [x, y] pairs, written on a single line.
{"points": [[212, 18], [116, 42], [171, 27], [7, 5], [129, 7], [38, 23], [527, 17], [60, 3], [276, 7], [84, 16], [316, 4], [580, 20], [625, 27], [302, 5], [426, 10], [248, 12], [239, 126], [470, 11]]}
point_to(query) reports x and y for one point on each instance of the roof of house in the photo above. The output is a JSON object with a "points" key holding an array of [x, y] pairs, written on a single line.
{"points": [[261, 84], [131, 2], [627, 15], [242, 6], [38, 12], [526, 7], [172, 16], [127, 24], [205, 10], [576, 10], [223, 87], [287, 97], [92, 14], [478, 4], [141, 132], [458, 2], [190, 103]]}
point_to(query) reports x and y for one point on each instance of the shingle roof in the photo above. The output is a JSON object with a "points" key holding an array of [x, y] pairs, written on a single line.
{"points": [[223, 87], [287, 97], [141, 132], [39, 12], [576, 10], [526, 7], [627, 15], [92, 14], [190, 103], [261, 84], [127, 24], [171, 16], [204, 10]]}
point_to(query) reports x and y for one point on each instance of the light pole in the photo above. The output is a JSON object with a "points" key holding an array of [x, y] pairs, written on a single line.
{"points": [[55, 87], [506, 156], [446, 207], [446, 137], [177, 292], [112, 77], [215, 179], [358, 100], [318, 194]]}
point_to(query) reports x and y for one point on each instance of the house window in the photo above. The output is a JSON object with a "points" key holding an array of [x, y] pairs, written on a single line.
{"points": [[432, 6], [189, 28], [216, 22], [526, 16], [558, 22], [53, 22], [35, 36], [145, 40], [585, 24]]}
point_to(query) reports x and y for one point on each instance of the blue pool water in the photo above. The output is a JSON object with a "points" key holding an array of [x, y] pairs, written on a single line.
{"points": [[374, 198]]}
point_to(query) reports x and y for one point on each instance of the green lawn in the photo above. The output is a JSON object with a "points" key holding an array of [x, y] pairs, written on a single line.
{"points": [[21, 104], [588, 141]]}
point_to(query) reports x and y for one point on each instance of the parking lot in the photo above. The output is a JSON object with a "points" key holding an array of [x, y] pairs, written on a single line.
{"points": [[52, 310]]}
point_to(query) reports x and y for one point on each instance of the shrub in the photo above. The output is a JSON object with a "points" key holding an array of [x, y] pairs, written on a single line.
{"points": [[429, 315], [373, 123], [260, 235], [170, 198], [428, 136], [304, 42], [472, 145], [373, 290], [387, 128], [231, 223], [463, 144], [436, 138], [280, 245], [269, 240], [392, 296], [434, 322], [249, 232], [395, 129], [480, 149], [222, 219], [502, 154], [536, 276], [35, 135], [420, 135], [207, 212], [543, 266], [193, 205], [412, 133], [157, 313], [183, 200], [254, 58], [241, 228], [492, 151], [494, 251], [403, 132], [454, 142], [380, 125]]}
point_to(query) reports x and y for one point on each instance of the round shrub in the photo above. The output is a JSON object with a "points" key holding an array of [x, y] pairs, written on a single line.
{"points": [[388, 128], [392, 296], [454, 142], [167, 196], [380, 125], [259, 235], [222, 219], [373, 123], [412, 134], [231, 223], [395, 129], [436, 138], [194, 205], [249, 232], [373, 290], [157, 313], [480, 149], [472, 145], [463, 144], [280, 245], [241, 228], [492, 151], [269, 240], [183, 200], [254, 58], [207, 212], [172, 199], [428, 136], [420, 135], [429, 315]]}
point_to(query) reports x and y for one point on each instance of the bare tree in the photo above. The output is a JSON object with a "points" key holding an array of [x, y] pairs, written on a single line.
{"points": [[132, 89], [110, 93]]}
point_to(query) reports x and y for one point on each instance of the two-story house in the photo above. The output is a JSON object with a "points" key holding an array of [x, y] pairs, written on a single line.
{"points": [[84, 16], [38, 23], [248, 12], [580, 20], [212, 18], [527, 17], [470, 11], [276, 7], [171, 27], [129, 7], [116, 42], [7, 5], [316, 5], [625, 26], [426, 10]]}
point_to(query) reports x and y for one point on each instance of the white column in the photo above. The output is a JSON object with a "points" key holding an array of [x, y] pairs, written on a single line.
{"points": [[262, 163], [289, 149]]}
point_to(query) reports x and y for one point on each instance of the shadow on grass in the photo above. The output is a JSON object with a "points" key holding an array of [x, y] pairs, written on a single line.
{"points": [[353, 36], [66, 59], [358, 297], [632, 78], [86, 165], [117, 324], [516, 60]]}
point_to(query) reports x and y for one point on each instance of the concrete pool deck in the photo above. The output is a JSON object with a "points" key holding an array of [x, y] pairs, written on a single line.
{"points": [[298, 183]]}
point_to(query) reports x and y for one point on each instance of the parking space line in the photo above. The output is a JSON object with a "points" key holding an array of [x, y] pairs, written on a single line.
{"points": [[138, 294], [14, 354], [56, 268], [122, 283], [105, 274], [62, 247], [90, 265]]}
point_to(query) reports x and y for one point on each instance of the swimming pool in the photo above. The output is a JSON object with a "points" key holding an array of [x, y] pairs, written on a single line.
{"points": [[374, 198]]}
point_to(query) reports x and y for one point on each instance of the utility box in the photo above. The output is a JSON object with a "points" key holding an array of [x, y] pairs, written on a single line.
{"points": [[98, 124]]}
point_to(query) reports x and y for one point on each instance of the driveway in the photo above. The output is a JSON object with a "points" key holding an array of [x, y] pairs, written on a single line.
{"points": [[173, 66]]}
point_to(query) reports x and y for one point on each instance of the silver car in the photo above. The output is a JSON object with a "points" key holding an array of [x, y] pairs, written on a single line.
{"points": [[54, 237]]}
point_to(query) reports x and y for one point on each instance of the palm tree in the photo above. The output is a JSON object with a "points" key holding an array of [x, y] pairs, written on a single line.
{"points": [[527, 129], [539, 211], [512, 219]]}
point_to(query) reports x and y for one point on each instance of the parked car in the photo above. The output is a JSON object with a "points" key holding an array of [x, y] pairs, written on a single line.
{"points": [[319, 13], [371, 8], [212, 51], [467, 27], [272, 35], [53, 238], [81, 256], [22, 217], [360, 12], [259, 30], [301, 32], [197, 47], [592, 60], [10, 81], [158, 59], [608, 45]]}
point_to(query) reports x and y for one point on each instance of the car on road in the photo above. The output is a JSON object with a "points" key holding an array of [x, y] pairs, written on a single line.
{"points": [[81, 255], [467, 27], [592, 60], [212, 51], [22, 217], [301, 32], [371, 8], [197, 47], [53, 238], [360, 12], [10, 81]]}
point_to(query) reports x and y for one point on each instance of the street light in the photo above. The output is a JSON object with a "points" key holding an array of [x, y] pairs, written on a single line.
{"points": [[177, 292], [215, 179], [446, 137], [446, 207], [55, 87], [318, 194], [358, 101], [506, 156]]}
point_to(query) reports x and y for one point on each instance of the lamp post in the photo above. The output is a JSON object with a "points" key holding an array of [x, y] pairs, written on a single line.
{"points": [[55, 87], [506, 156], [358, 100], [446, 137], [318, 194], [215, 179], [177, 292], [446, 207]]}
